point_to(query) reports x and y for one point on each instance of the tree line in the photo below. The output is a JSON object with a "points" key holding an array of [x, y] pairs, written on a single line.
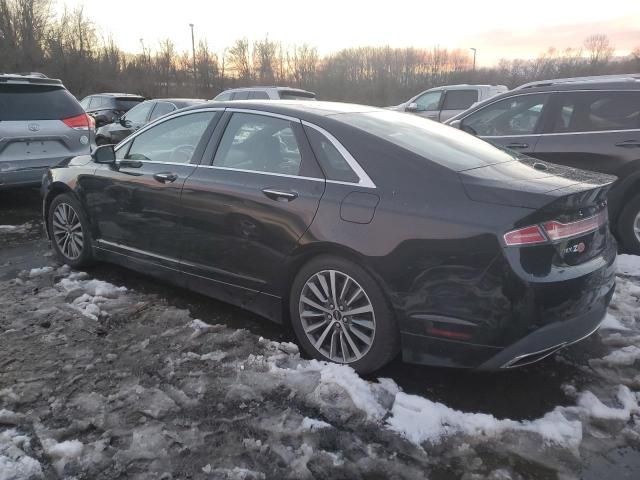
{"points": [[69, 47]]}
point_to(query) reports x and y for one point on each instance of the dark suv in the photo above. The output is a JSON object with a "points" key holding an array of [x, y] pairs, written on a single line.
{"points": [[108, 107], [588, 123], [41, 123]]}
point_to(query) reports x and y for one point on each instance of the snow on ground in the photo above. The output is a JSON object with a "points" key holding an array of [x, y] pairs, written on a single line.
{"points": [[101, 382]]}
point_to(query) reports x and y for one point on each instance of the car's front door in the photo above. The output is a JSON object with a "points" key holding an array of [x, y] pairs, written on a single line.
{"points": [[593, 130], [512, 122], [245, 212], [135, 205]]}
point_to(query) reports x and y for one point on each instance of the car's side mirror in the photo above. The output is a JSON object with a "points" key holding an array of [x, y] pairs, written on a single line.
{"points": [[104, 154], [412, 107]]}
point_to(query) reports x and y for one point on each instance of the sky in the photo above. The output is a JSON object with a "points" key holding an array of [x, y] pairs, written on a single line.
{"points": [[496, 28]]}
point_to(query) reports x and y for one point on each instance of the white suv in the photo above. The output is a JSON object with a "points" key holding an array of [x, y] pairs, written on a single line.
{"points": [[442, 103], [265, 93]]}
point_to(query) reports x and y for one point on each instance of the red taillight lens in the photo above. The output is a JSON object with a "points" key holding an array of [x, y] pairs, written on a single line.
{"points": [[559, 231], [80, 122], [525, 236]]}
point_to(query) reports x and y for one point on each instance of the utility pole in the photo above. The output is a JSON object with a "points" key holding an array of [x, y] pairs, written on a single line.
{"points": [[474, 58], [193, 49]]}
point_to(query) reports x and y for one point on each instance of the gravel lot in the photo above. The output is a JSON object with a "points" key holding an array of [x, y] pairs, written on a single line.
{"points": [[106, 374]]}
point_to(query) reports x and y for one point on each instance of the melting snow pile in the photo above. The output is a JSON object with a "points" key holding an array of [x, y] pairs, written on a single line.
{"points": [[158, 388]]}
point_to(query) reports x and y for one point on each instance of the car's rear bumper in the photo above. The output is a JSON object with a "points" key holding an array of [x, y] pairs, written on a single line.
{"points": [[530, 349], [26, 177]]}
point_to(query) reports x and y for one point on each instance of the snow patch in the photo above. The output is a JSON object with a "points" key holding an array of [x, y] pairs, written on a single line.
{"points": [[15, 463], [313, 424], [623, 357], [35, 272], [612, 323], [629, 265], [63, 452]]}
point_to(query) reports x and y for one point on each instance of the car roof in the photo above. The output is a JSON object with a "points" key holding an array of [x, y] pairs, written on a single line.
{"points": [[29, 79], [177, 100], [462, 86], [298, 108], [266, 87], [597, 79]]}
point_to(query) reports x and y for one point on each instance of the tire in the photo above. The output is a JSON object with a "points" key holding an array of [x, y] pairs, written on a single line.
{"points": [[342, 338], [629, 226], [69, 231]]}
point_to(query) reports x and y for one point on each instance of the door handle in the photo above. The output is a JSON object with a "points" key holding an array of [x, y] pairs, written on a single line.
{"points": [[279, 195], [518, 145], [629, 144], [165, 177]]}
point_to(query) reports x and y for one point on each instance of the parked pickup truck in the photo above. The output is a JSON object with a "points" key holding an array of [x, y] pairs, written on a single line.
{"points": [[442, 103]]}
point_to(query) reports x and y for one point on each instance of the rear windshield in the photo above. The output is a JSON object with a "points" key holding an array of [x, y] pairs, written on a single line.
{"points": [[127, 104], [30, 102], [439, 143], [296, 95]]}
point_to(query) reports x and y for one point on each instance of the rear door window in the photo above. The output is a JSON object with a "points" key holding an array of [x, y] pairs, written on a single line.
{"points": [[29, 102], [162, 108], [258, 95], [240, 96], [518, 115], [596, 111], [459, 99], [259, 143]]}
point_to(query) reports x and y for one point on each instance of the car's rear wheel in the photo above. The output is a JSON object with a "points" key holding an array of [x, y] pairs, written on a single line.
{"points": [[69, 231], [340, 314], [629, 226]]}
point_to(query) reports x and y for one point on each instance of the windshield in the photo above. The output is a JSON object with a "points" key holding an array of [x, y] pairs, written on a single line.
{"points": [[439, 143]]}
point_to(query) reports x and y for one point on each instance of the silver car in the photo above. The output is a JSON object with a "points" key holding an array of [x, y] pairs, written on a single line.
{"points": [[442, 103], [41, 123], [265, 93]]}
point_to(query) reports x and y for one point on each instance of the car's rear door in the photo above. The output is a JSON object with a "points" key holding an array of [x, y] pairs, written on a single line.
{"points": [[593, 130], [457, 101], [428, 105], [135, 205], [245, 212], [514, 122]]}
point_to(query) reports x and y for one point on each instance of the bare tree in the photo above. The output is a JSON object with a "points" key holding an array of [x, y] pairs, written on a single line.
{"points": [[240, 59], [598, 48]]}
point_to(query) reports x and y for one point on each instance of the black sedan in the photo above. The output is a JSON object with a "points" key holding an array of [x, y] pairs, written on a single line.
{"points": [[139, 116], [368, 231]]}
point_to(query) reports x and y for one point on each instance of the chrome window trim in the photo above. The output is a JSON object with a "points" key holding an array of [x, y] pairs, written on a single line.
{"points": [[157, 162], [263, 113], [560, 133], [364, 179], [163, 119], [273, 174]]}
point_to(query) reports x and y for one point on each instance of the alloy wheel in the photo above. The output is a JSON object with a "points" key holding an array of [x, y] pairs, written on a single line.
{"points": [[636, 226], [337, 316], [67, 231]]}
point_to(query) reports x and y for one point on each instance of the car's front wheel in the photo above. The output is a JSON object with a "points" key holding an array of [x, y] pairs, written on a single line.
{"points": [[629, 226], [340, 314], [69, 231]]}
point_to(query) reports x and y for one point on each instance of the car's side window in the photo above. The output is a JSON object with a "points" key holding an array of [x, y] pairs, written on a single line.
{"points": [[94, 102], [596, 111], [259, 143], [517, 115], [174, 140], [459, 99], [429, 101], [240, 95], [334, 165], [139, 113], [85, 102], [259, 95], [162, 108]]}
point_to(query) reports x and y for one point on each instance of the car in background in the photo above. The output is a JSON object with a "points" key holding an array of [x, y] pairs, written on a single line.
{"points": [[442, 103], [41, 123], [265, 93], [108, 107], [139, 116], [370, 232], [588, 123]]}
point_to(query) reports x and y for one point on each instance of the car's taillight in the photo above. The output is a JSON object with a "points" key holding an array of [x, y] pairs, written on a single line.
{"points": [[559, 231], [80, 122], [555, 230], [525, 236]]}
